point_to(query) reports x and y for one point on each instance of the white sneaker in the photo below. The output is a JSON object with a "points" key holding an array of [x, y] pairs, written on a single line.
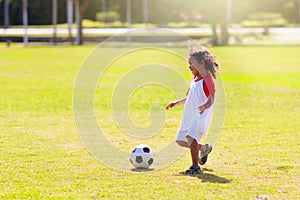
{"points": [[207, 151], [204, 154]]}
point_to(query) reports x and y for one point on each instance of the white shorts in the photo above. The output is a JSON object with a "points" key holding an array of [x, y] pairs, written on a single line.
{"points": [[195, 131], [181, 136]]}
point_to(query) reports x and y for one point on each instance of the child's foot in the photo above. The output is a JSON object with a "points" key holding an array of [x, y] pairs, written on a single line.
{"points": [[193, 170], [204, 154]]}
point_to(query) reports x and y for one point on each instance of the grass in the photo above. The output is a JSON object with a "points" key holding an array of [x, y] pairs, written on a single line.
{"points": [[42, 156]]}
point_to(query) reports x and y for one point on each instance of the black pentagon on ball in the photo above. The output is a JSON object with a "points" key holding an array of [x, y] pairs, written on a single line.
{"points": [[139, 159], [133, 151], [146, 150], [150, 161]]}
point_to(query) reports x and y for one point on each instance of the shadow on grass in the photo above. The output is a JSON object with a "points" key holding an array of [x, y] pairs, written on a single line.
{"points": [[211, 178], [141, 170], [207, 177]]}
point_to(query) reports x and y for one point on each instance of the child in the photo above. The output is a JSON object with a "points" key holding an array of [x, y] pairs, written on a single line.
{"points": [[198, 107]]}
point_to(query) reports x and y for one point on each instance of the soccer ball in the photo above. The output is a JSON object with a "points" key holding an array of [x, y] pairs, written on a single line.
{"points": [[142, 156]]}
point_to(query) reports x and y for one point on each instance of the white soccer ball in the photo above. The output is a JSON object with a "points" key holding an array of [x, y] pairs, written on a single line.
{"points": [[142, 156]]}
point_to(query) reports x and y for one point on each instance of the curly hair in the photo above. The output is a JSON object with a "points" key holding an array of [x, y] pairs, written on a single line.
{"points": [[210, 62]]}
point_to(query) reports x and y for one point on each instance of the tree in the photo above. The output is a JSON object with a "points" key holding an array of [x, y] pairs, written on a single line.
{"points": [[216, 13], [81, 6]]}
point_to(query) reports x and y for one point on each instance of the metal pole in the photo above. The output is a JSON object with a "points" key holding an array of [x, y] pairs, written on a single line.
{"points": [[6, 14], [128, 13], [25, 23], [54, 19], [145, 9], [70, 18], [77, 40], [128, 20]]}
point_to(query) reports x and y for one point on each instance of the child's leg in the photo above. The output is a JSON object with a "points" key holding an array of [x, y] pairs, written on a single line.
{"points": [[201, 147], [182, 143], [194, 149]]}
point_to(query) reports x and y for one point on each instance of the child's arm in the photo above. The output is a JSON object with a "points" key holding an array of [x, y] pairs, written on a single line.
{"points": [[207, 104], [211, 93], [175, 103]]}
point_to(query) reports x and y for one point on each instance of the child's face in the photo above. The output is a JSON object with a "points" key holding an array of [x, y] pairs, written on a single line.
{"points": [[193, 63]]}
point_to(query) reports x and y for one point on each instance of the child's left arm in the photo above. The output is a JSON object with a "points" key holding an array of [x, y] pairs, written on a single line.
{"points": [[210, 95], [208, 103]]}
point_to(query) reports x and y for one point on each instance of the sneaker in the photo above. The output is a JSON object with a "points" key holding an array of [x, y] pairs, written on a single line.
{"points": [[204, 154], [193, 170]]}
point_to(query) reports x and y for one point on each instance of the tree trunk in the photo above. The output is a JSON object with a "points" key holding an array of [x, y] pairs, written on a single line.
{"points": [[84, 4], [214, 39], [218, 18], [224, 32]]}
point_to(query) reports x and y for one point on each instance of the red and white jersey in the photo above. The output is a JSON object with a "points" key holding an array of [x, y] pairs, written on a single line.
{"points": [[192, 123], [208, 85]]}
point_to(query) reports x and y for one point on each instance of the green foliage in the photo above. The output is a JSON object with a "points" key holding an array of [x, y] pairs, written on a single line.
{"points": [[86, 23], [193, 24], [115, 24], [265, 20], [118, 24], [265, 16], [107, 16]]}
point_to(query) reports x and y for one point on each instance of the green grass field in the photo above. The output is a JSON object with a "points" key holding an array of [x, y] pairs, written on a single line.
{"points": [[256, 156]]}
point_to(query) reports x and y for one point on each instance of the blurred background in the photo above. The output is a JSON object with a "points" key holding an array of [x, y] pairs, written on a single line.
{"points": [[214, 22]]}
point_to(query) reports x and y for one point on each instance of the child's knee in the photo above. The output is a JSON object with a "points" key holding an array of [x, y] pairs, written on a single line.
{"points": [[182, 143], [190, 140]]}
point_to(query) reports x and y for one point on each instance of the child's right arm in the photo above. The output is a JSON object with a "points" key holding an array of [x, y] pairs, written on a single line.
{"points": [[175, 103]]}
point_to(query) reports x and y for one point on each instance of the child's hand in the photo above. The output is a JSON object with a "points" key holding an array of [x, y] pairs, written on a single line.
{"points": [[171, 105], [201, 109]]}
